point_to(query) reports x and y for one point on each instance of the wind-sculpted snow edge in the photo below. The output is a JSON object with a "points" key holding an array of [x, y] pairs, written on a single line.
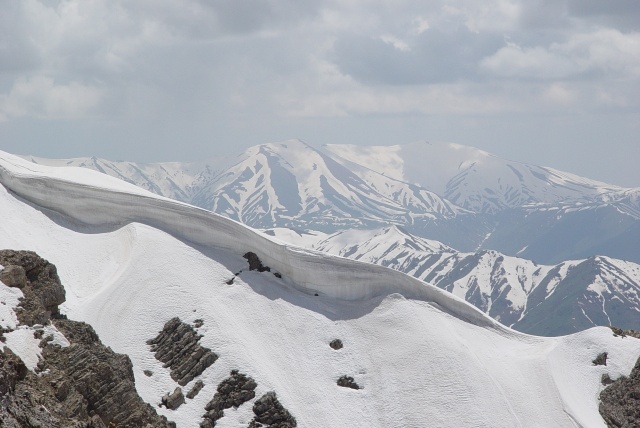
{"points": [[309, 271]]}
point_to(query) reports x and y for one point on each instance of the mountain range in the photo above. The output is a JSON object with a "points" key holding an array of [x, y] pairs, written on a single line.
{"points": [[546, 300], [537, 224], [458, 195], [319, 339]]}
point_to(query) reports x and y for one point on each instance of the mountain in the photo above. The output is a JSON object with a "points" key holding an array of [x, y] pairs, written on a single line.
{"points": [[472, 178], [132, 263], [464, 197], [535, 299]]}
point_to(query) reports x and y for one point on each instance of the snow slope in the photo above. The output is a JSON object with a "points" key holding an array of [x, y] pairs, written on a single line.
{"points": [[130, 261]]}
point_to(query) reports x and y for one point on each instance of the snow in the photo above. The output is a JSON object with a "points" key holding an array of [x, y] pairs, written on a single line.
{"points": [[130, 261], [22, 342]]}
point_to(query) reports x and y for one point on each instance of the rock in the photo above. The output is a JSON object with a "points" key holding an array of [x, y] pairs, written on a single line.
{"points": [[269, 411], [195, 390], [234, 391], [42, 289], [174, 400], [624, 333], [177, 347], [600, 360], [147, 373], [336, 344], [347, 382], [620, 401], [255, 263], [606, 379], [14, 276], [86, 385], [198, 323]]}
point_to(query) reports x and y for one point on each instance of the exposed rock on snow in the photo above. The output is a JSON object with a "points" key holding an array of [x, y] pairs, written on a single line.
{"points": [[255, 263], [620, 401], [234, 391], [270, 412], [41, 285], [348, 382], [336, 344], [81, 383], [195, 390], [600, 360], [174, 400], [177, 347], [14, 276]]}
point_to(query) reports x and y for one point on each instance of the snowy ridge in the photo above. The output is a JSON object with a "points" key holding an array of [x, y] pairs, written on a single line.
{"points": [[132, 261], [100, 204], [175, 180], [511, 290]]}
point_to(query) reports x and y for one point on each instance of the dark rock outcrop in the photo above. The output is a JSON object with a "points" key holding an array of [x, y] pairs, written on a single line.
{"points": [[40, 285], [234, 391], [255, 263], [617, 331], [14, 276], [174, 400], [269, 412], [195, 390], [600, 360], [177, 347], [336, 344], [84, 385], [348, 382], [620, 401]]}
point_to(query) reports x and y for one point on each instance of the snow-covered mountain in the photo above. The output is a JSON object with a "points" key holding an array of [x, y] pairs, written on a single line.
{"points": [[536, 299], [131, 261], [461, 196], [469, 177]]}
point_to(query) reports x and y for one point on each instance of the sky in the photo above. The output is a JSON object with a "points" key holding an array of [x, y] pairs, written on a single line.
{"points": [[548, 82]]}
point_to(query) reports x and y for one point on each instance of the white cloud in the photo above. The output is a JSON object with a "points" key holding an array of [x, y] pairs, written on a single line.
{"points": [[605, 51], [40, 96]]}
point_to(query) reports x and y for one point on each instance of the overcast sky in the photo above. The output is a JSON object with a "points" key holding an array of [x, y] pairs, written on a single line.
{"points": [[550, 82]]}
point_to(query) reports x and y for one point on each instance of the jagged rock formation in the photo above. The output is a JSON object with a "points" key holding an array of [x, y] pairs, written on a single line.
{"points": [[620, 401], [268, 411], [348, 382], [234, 391], [177, 347], [174, 400], [195, 390], [40, 285], [336, 344], [84, 385]]}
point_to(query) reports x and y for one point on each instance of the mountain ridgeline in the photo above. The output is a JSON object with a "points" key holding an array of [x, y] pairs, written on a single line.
{"points": [[571, 242]]}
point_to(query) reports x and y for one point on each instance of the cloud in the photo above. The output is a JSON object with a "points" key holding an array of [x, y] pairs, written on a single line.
{"points": [[41, 97], [600, 53], [431, 56]]}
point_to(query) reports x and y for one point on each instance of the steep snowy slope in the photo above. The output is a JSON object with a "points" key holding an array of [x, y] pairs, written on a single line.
{"points": [[469, 177], [536, 299], [131, 261]]}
